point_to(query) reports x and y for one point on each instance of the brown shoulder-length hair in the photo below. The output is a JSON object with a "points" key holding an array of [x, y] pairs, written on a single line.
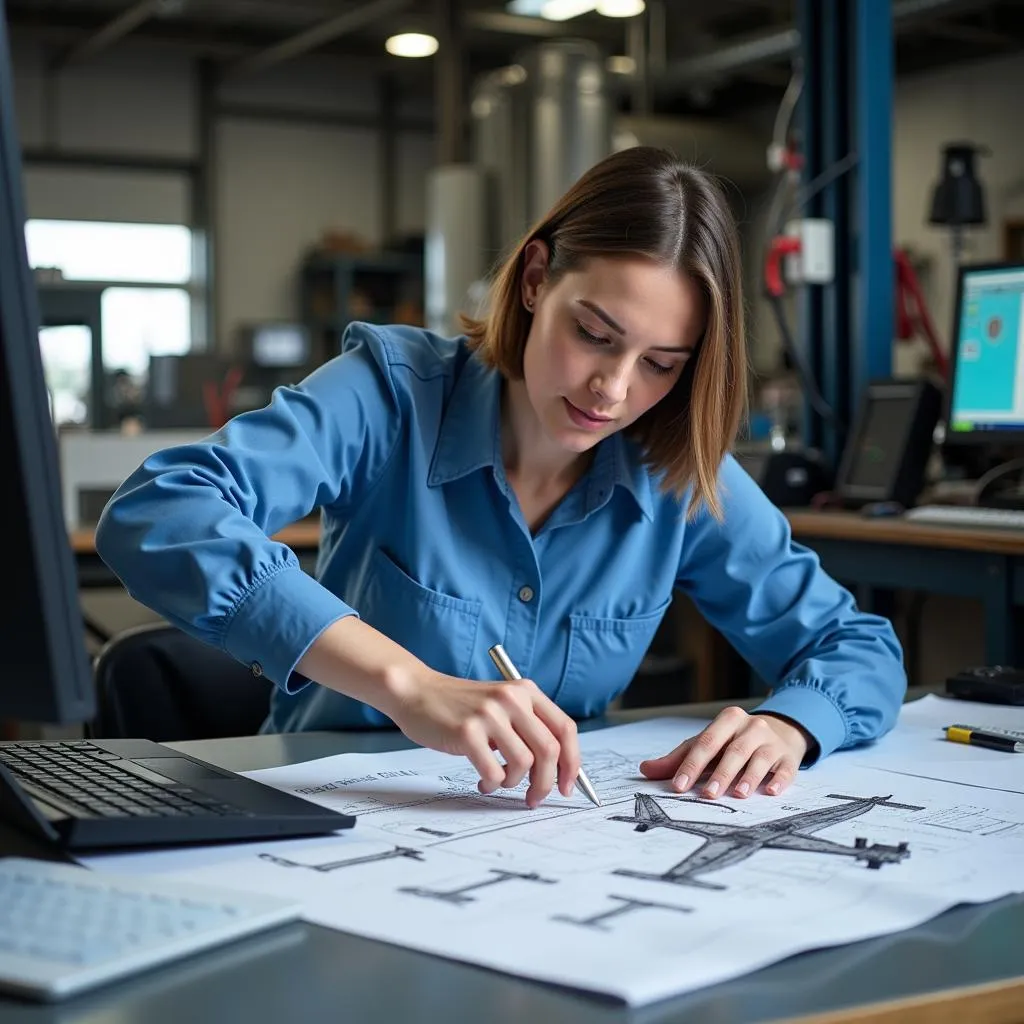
{"points": [[644, 202]]}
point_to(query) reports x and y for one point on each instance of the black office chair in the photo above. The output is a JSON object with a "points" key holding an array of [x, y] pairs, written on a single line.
{"points": [[155, 682]]}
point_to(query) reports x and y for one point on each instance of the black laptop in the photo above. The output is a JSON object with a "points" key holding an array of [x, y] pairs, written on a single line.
{"points": [[95, 794]]}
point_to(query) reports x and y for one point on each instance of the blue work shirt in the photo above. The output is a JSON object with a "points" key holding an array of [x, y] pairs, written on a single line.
{"points": [[398, 442]]}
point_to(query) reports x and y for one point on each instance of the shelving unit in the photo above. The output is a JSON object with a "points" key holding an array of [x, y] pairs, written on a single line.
{"points": [[336, 289]]}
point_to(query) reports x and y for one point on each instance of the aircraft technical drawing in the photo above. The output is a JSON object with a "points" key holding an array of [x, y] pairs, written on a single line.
{"points": [[726, 845]]}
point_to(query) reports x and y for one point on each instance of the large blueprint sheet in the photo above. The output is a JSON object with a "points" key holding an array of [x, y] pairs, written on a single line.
{"points": [[652, 894]]}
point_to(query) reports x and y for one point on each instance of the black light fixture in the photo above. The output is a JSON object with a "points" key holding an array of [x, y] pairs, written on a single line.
{"points": [[958, 200]]}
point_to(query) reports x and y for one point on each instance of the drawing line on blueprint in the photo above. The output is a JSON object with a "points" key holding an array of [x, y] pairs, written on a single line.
{"points": [[967, 819], [535, 818], [685, 799], [458, 896], [931, 778], [449, 821], [603, 767], [626, 905], [348, 862]]}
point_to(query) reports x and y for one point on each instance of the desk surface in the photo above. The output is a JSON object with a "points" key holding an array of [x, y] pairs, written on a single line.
{"points": [[852, 526], [967, 964], [303, 534], [806, 523]]}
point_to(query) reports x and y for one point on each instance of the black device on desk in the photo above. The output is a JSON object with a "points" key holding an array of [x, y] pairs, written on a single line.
{"points": [[885, 457], [789, 477], [82, 794], [993, 684]]}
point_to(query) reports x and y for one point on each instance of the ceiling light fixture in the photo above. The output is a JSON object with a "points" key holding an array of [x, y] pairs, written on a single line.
{"points": [[620, 8], [563, 10], [411, 44], [527, 8]]}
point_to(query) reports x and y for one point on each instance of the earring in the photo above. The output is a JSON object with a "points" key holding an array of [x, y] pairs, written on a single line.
{"points": [[529, 305]]}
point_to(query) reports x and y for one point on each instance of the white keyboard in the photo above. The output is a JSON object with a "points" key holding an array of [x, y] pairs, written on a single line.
{"points": [[64, 929], [967, 515]]}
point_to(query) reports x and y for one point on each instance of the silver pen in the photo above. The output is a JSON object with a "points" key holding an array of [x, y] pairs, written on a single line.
{"points": [[509, 671]]}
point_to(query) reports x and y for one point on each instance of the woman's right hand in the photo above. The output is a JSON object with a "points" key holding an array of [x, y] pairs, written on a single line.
{"points": [[476, 719], [457, 716]]}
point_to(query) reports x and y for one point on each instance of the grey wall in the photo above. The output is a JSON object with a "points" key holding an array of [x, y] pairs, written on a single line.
{"points": [[280, 181]]}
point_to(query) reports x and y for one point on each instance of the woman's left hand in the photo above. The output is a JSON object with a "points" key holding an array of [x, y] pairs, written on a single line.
{"points": [[748, 748]]}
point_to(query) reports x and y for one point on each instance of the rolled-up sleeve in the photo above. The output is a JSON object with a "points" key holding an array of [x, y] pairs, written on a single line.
{"points": [[834, 669], [189, 532]]}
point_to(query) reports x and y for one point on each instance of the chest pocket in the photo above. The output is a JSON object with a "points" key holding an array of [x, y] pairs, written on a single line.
{"points": [[439, 629], [604, 654]]}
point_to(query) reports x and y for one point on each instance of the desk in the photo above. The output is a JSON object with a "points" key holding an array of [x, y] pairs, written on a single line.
{"points": [[893, 553], [302, 537], [865, 554], [967, 964]]}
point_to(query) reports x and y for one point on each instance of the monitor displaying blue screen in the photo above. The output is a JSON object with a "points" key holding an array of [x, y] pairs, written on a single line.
{"points": [[988, 378]]}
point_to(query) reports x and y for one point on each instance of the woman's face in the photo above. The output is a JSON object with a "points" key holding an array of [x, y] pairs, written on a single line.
{"points": [[607, 343]]}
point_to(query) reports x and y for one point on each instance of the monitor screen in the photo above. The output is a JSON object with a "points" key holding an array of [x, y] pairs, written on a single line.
{"points": [[44, 670], [891, 441], [878, 447], [280, 345], [987, 396]]}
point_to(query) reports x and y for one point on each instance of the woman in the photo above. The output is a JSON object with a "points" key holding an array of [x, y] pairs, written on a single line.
{"points": [[544, 483]]}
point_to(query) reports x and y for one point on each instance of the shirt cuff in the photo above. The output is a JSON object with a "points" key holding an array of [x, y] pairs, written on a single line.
{"points": [[812, 708], [277, 622]]}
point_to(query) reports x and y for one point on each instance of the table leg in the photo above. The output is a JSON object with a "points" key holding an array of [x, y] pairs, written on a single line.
{"points": [[1000, 645]]}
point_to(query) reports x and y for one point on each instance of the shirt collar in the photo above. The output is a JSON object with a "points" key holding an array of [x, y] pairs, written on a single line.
{"points": [[619, 463], [470, 426], [470, 439]]}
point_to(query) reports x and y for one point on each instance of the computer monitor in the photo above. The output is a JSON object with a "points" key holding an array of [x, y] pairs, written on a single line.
{"points": [[986, 394], [889, 445], [44, 670], [278, 345]]}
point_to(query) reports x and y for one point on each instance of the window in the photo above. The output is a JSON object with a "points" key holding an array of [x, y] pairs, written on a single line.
{"points": [[94, 251], [143, 322], [145, 311], [67, 356]]}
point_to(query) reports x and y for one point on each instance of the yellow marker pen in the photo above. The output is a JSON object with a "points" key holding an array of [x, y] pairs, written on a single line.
{"points": [[980, 738]]}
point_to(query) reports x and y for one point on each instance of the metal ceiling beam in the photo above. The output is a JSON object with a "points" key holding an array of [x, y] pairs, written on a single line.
{"points": [[117, 28], [318, 35], [971, 34], [750, 53], [59, 37], [515, 24], [769, 47]]}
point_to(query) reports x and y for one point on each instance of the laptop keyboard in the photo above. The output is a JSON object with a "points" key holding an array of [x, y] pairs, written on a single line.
{"points": [[84, 780]]}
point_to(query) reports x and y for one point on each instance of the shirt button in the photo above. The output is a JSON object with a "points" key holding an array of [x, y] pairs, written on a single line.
{"points": [[256, 669], [526, 594]]}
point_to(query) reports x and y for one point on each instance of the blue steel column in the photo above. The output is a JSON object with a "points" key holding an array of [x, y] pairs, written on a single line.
{"points": [[810, 318], [837, 298], [846, 327], [873, 332]]}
